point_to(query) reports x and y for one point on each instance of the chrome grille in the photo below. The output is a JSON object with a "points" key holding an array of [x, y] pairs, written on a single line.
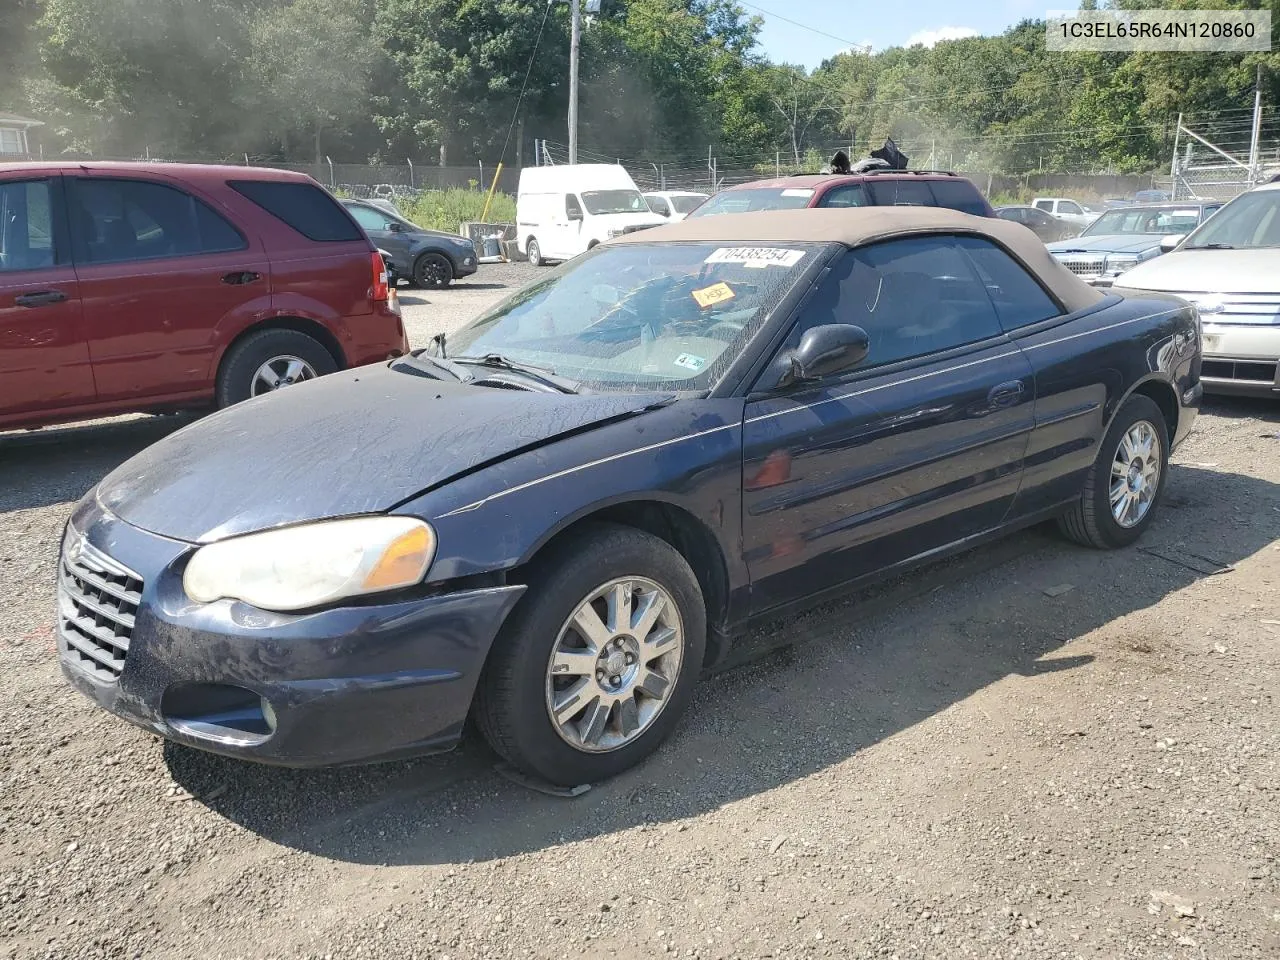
{"points": [[1083, 266], [97, 602], [1246, 309]]}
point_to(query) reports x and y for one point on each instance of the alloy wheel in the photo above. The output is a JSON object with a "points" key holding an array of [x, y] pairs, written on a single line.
{"points": [[280, 372], [1135, 474]]}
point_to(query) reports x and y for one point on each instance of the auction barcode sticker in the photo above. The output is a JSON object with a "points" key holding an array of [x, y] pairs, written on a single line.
{"points": [[1184, 31], [757, 256]]}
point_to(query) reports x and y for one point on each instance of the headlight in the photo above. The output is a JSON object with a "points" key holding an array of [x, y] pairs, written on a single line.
{"points": [[1119, 264], [313, 564], [616, 233]]}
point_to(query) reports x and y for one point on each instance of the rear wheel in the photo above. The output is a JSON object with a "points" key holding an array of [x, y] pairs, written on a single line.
{"points": [[433, 271], [270, 360], [1125, 481], [599, 660], [535, 252]]}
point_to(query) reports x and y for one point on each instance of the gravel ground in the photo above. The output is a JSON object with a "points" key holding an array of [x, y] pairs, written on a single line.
{"points": [[1034, 750]]}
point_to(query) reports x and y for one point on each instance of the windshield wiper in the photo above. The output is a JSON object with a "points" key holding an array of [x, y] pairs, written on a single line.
{"points": [[421, 360], [542, 375], [1213, 246]]}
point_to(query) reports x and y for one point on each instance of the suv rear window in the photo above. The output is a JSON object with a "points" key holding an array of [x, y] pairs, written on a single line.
{"points": [[959, 195], [306, 208]]}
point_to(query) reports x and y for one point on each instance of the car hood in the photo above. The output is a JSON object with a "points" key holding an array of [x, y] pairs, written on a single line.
{"points": [[620, 221], [1209, 271], [1107, 243], [438, 235], [350, 443]]}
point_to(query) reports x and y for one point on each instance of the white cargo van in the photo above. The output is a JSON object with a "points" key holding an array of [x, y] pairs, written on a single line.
{"points": [[562, 211]]}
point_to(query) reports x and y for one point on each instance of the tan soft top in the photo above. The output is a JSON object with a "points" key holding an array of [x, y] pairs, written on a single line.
{"points": [[859, 226]]}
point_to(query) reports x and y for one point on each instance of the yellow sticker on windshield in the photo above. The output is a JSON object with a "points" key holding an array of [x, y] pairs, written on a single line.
{"points": [[716, 293]]}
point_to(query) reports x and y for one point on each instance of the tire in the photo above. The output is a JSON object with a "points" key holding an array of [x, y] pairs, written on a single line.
{"points": [[432, 271], [241, 366], [1091, 521], [534, 252], [517, 689]]}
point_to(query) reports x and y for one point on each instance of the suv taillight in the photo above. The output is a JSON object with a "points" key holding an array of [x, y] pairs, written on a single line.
{"points": [[381, 288]]}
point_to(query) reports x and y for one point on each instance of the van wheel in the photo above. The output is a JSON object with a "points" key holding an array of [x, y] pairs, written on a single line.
{"points": [[270, 360], [432, 271], [535, 252]]}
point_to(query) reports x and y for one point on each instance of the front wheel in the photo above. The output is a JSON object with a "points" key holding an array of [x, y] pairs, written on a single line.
{"points": [[1125, 481], [432, 271], [599, 660]]}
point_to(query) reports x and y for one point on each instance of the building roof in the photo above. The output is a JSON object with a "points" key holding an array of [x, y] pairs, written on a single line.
{"points": [[859, 226], [13, 120]]}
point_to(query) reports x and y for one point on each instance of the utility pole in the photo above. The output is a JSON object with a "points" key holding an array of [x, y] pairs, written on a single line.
{"points": [[1257, 126], [575, 36]]}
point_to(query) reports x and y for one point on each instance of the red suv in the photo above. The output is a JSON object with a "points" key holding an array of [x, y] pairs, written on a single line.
{"points": [[871, 188], [132, 286]]}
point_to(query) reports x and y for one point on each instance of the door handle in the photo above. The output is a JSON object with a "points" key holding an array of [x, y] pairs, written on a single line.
{"points": [[1005, 394], [240, 277], [42, 298]]}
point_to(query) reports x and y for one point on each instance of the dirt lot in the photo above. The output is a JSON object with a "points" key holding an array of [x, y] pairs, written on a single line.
{"points": [[974, 761]]}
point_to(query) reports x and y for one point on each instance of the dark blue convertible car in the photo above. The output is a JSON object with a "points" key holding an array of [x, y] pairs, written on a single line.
{"points": [[561, 515]]}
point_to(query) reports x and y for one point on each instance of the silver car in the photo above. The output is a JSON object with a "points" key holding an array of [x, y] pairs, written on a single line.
{"points": [[1229, 267]]}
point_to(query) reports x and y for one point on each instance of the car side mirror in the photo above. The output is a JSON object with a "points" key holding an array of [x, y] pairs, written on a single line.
{"points": [[1167, 243], [575, 214], [395, 226], [829, 349]]}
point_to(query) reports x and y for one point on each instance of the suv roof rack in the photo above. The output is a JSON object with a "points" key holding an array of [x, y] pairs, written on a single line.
{"points": [[882, 170]]}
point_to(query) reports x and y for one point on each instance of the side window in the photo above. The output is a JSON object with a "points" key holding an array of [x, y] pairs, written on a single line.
{"points": [[1069, 206], [1018, 297], [846, 195], [1045, 205], [659, 206], [369, 219], [113, 221], [572, 207], [303, 206], [959, 195], [902, 193], [913, 297], [26, 225]]}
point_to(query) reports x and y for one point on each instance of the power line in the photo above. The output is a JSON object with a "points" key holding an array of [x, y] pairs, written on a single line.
{"points": [[515, 114], [797, 23]]}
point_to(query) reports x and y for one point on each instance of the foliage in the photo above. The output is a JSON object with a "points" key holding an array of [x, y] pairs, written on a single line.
{"points": [[445, 209]]}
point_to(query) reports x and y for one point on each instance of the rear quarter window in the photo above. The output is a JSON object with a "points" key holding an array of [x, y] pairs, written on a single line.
{"points": [[959, 195], [902, 193], [303, 206]]}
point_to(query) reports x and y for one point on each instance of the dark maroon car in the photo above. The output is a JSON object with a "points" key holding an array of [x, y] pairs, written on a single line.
{"points": [[872, 188], [143, 286]]}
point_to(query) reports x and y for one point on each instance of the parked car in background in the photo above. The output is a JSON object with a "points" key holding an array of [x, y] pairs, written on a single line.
{"points": [[558, 526], [871, 188], [1151, 196], [1069, 210], [1229, 267], [1044, 226], [138, 286], [674, 205], [426, 258], [565, 210], [1121, 239]]}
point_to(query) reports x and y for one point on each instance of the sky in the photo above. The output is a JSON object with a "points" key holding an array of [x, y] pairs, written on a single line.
{"points": [[880, 24]]}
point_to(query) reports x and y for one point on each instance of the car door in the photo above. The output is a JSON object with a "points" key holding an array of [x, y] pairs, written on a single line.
{"points": [[160, 269], [920, 446], [1071, 384], [44, 354]]}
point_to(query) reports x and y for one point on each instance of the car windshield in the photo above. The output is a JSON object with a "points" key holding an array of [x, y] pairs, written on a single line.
{"points": [[641, 316], [1166, 221], [1251, 220], [614, 201], [686, 204], [756, 198]]}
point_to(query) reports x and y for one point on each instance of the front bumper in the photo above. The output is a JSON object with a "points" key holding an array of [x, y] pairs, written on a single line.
{"points": [[466, 266], [345, 685], [1240, 359]]}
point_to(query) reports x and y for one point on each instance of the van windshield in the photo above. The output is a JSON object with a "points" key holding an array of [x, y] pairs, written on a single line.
{"points": [[600, 202]]}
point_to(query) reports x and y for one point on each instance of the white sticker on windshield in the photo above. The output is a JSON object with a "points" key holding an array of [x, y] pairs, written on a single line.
{"points": [[797, 192], [757, 256], [690, 362]]}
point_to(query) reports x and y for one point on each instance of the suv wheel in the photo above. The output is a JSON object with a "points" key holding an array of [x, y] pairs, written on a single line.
{"points": [[270, 360], [433, 271]]}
